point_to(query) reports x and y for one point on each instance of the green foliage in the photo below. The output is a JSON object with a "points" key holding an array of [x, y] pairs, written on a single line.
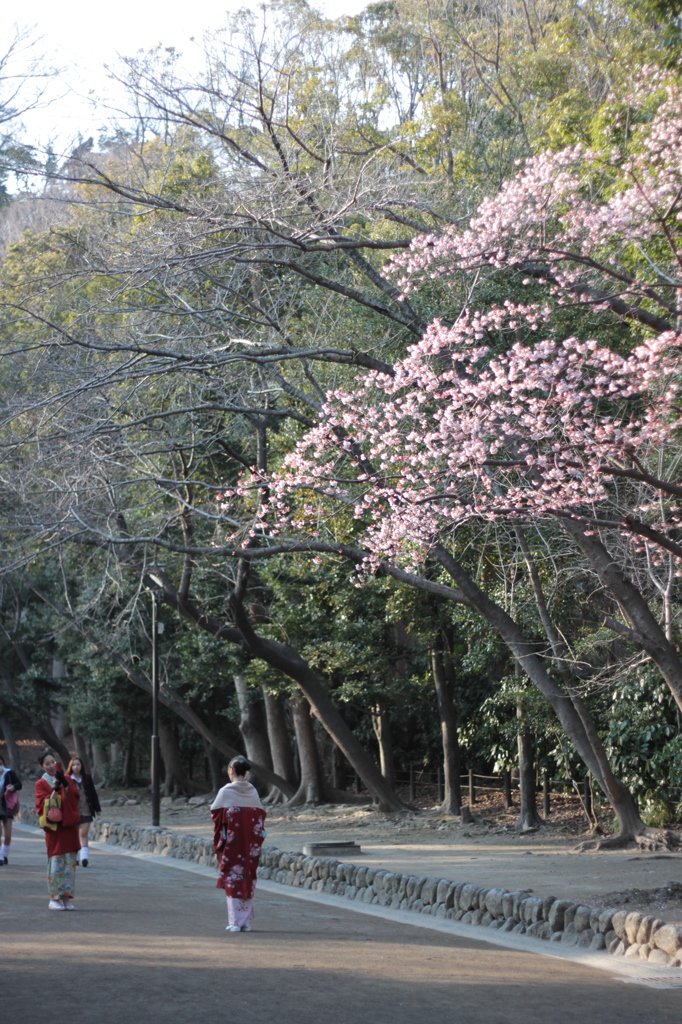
{"points": [[642, 737]]}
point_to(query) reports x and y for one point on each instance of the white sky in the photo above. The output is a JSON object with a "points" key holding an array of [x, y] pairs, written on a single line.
{"points": [[81, 36]]}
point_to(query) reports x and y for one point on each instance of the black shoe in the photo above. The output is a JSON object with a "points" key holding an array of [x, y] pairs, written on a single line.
{"points": [[6, 861], [84, 863]]}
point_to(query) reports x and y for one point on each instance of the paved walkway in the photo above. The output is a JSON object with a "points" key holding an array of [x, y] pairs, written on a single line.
{"points": [[147, 943]]}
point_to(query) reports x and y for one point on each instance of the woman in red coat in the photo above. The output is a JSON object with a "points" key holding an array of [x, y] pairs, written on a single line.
{"points": [[61, 837], [238, 833]]}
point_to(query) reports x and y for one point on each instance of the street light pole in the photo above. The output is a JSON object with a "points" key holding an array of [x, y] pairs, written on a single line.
{"points": [[156, 766]]}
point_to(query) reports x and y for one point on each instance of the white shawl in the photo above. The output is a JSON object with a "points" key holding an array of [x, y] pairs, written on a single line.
{"points": [[237, 794]]}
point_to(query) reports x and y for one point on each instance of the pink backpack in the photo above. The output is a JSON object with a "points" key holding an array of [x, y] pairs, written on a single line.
{"points": [[12, 802]]}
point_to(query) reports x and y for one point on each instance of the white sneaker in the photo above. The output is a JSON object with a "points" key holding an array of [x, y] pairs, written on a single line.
{"points": [[68, 905], [233, 928], [245, 928], [56, 905]]}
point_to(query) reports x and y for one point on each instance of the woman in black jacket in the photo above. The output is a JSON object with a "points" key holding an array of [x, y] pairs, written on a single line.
{"points": [[89, 804], [9, 783]]}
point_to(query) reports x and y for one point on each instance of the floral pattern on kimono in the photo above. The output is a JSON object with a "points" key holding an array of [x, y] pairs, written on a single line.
{"points": [[61, 876], [237, 840]]}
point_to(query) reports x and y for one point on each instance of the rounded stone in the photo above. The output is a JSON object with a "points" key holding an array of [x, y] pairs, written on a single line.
{"points": [[493, 902], [519, 898], [479, 898], [645, 929], [556, 914], [582, 919], [445, 893], [429, 889], [466, 897], [657, 956], [632, 925], [508, 904], [668, 938], [569, 914], [418, 886], [618, 923], [378, 880], [606, 921], [547, 903]]}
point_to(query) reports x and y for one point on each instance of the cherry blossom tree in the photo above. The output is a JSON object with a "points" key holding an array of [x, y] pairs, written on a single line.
{"points": [[563, 410]]}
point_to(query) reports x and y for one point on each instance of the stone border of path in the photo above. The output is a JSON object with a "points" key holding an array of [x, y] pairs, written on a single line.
{"points": [[618, 932]]}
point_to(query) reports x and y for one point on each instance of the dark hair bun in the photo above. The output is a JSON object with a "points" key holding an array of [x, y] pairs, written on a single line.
{"points": [[239, 765]]}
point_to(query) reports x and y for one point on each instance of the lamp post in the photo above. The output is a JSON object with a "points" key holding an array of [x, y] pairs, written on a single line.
{"points": [[156, 773], [157, 627]]}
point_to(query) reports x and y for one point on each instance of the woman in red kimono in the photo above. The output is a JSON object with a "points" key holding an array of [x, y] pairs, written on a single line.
{"points": [[238, 834], [61, 837]]}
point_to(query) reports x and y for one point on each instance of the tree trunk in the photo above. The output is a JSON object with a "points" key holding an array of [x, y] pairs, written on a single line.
{"points": [[99, 762], [452, 800], [528, 814], [287, 660], [311, 788], [12, 748], [645, 629], [81, 748], [174, 781], [279, 736], [253, 727], [53, 741], [338, 769], [129, 759], [213, 757], [381, 723], [571, 712]]}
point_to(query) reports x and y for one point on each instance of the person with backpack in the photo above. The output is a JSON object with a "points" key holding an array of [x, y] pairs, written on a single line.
{"points": [[89, 803], [10, 784]]}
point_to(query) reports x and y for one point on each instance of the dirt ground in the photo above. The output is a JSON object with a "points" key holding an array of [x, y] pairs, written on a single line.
{"points": [[489, 851]]}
